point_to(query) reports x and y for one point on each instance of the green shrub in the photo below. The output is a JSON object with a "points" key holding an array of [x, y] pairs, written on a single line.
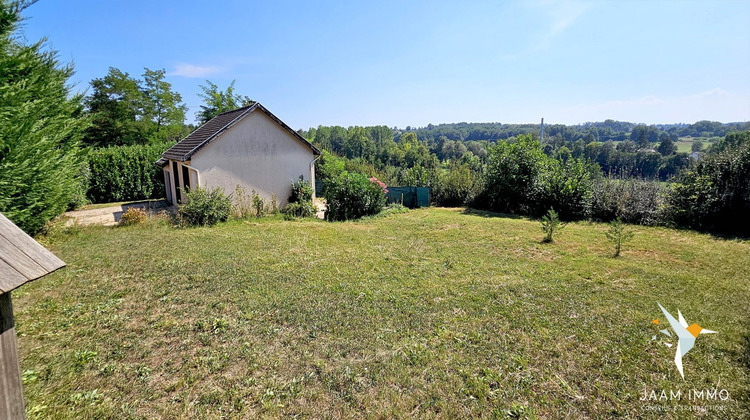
{"points": [[566, 186], [513, 182], [551, 224], [458, 186], [298, 209], [133, 216], [352, 195], [302, 191], [633, 200], [259, 208], [41, 125], [204, 207], [715, 194], [125, 173]]}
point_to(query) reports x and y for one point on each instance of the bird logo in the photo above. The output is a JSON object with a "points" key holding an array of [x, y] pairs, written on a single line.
{"points": [[686, 335]]}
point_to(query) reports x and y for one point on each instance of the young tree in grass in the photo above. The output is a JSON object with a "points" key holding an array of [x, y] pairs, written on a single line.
{"points": [[551, 224], [618, 234], [40, 128]]}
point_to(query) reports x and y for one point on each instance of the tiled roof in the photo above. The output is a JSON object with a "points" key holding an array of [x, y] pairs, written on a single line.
{"points": [[185, 148]]}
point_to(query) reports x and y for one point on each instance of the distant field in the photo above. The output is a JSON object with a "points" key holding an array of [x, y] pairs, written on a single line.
{"points": [[431, 313]]}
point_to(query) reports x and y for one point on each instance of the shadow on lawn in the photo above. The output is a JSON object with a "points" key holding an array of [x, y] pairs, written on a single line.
{"points": [[484, 213]]}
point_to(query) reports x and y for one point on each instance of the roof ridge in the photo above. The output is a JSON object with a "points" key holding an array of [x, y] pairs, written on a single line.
{"points": [[238, 109]]}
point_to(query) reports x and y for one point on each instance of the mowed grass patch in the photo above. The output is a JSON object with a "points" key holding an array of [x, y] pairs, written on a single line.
{"points": [[430, 313]]}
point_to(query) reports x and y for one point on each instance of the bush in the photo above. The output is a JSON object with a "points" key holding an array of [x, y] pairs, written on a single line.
{"points": [[352, 195], [715, 194], [125, 173], [566, 186], [513, 182], [302, 191], [133, 216], [259, 208], [204, 207], [41, 125], [298, 209], [633, 200], [458, 186]]}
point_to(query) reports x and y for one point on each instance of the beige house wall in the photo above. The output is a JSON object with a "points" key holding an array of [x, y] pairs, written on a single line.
{"points": [[257, 154]]}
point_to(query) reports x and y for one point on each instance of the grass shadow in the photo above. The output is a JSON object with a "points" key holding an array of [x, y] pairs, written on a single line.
{"points": [[485, 213]]}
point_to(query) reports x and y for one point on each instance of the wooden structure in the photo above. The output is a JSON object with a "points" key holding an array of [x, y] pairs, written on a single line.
{"points": [[22, 259]]}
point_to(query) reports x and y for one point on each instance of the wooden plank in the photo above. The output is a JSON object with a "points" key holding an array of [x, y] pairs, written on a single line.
{"points": [[17, 259], [9, 277], [11, 387], [29, 246]]}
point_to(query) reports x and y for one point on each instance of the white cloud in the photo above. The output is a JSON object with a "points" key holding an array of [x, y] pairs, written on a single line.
{"points": [[563, 15], [193, 71]]}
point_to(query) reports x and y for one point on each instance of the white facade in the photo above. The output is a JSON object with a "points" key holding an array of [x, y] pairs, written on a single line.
{"points": [[255, 153]]}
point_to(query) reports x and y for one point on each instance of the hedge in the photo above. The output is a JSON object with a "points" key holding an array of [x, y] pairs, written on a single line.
{"points": [[125, 173]]}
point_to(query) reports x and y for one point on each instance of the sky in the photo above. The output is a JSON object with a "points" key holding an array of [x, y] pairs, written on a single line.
{"points": [[410, 63]]}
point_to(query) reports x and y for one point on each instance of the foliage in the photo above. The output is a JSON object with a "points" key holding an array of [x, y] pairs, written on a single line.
{"points": [[457, 186], [133, 216], [715, 194], [40, 129], [551, 224], [618, 234], [204, 207], [242, 206], [298, 209], [351, 196], [127, 111], [633, 200], [566, 186], [513, 182], [302, 191], [259, 208], [216, 101], [125, 173]]}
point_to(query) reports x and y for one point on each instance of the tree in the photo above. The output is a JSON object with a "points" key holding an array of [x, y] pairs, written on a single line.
{"points": [[115, 106], [162, 106], [40, 129], [697, 146], [667, 146], [216, 101], [127, 111]]}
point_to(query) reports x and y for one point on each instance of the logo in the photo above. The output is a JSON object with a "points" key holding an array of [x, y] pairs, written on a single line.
{"points": [[686, 335]]}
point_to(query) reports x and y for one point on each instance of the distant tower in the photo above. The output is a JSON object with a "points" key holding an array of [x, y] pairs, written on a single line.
{"points": [[541, 133]]}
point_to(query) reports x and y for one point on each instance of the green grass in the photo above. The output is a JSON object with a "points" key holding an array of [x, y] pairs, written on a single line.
{"points": [[429, 313]]}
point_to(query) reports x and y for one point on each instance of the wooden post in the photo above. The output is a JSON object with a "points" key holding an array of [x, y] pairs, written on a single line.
{"points": [[22, 259], [11, 388]]}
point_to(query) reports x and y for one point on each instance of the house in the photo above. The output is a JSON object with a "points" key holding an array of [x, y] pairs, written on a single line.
{"points": [[249, 147]]}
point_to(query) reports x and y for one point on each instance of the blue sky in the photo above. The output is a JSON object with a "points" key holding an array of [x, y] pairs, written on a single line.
{"points": [[413, 63]]}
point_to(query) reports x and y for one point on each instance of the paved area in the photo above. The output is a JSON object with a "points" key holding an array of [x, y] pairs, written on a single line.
{"points": [[109, 216]]}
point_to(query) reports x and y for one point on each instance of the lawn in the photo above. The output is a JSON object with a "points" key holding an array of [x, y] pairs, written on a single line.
{"points": [[430, 313]]}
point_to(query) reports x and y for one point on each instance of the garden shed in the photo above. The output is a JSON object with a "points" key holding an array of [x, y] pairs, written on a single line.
{"points": [[22, 259], [249, 147]]}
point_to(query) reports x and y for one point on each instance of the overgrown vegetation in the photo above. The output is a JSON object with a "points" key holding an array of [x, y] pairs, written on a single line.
{"points": [[451, 313], [300, 202]]}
